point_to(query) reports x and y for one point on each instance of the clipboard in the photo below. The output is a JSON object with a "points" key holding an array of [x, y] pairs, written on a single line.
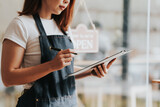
{"points": [[116, 55]]}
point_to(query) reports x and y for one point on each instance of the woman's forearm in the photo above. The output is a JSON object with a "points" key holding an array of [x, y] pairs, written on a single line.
{"points": [[26, 75], [12, 57]]}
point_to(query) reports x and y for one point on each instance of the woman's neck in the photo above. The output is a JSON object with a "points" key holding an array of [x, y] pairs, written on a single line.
{"points": [[45, 13]]}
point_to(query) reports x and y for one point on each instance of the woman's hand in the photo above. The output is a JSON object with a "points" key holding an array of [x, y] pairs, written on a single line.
{"points": [[63, 58], [101, 70]]}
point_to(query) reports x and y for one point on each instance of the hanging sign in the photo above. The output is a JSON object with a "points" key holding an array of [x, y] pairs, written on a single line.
{"points": [[85, 40]]}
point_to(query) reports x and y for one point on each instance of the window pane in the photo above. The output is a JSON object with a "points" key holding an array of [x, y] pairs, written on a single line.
{"points": [[154, 51], [121, 24]]}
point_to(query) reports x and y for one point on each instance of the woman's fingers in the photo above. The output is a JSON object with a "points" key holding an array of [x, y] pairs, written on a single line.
{"points": [[97, 72], [67, 60], [100, 70], [104, 68], [67, 55], [110, 63], [67, 63]]}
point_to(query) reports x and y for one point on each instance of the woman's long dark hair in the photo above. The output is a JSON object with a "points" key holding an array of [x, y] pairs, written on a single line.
{"points": [[63, 20]]}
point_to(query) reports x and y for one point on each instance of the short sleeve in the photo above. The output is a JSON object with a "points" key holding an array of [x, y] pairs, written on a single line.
{"points": [[17, 33]]}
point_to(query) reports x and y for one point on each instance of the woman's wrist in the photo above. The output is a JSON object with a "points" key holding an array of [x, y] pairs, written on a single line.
{"points": [[52, 66]]}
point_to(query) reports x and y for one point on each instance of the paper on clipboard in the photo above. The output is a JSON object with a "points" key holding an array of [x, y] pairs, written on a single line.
{"points": [[100, 62]]}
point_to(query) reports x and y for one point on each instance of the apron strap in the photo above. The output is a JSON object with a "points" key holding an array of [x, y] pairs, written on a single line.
{"points": [[39, 24]]}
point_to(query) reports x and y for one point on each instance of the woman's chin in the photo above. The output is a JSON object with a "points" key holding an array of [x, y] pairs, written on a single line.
{"points": [[57, 13]]}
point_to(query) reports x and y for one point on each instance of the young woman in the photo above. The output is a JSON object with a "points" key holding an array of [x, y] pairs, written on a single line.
{"points": [[29, 58]]}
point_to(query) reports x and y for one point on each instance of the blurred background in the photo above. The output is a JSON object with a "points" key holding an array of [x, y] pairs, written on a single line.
{"points": [[122, 24]]}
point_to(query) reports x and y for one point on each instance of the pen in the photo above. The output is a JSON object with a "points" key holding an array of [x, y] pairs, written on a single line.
{"points": [[57, 49]]}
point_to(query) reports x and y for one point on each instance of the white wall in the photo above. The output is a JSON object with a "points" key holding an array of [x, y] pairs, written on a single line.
{"points": [[8, 10]]}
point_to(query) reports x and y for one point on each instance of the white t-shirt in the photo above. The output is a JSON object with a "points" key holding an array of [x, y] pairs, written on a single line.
{"points": [[23, 31]]}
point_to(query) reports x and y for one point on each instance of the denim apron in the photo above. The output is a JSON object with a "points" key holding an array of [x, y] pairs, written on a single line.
{"points": [[54, 89]]}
